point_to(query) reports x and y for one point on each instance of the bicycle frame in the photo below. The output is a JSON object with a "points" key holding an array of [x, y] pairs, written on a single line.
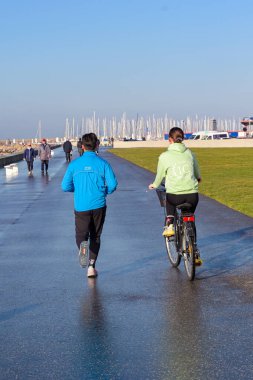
{"points": [[184, 220], [184, 240], [181, 244]]}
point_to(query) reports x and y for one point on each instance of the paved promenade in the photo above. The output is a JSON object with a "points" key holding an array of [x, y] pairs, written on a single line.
{"points": [[141, 318]]}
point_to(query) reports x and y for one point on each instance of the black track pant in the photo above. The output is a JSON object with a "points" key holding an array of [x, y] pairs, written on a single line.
{"points": [[89, 224], [44, 162], [29, 165], [173, 200], [67, 154]]}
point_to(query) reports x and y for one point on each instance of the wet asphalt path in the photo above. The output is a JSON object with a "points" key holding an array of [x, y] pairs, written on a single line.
{"points": [[140, 319]]}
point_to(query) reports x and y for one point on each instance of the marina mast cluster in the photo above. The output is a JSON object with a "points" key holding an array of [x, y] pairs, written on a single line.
{"points": [[149, 128]]}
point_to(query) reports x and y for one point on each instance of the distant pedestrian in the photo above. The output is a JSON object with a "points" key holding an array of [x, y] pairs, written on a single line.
{"points": [[29, 156], [79, 147], [91, 178], [44, 153], [67, 147], [97, 146]]}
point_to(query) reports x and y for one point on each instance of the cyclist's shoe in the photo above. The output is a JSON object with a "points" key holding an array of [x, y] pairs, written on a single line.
{"points": [[198, 261], [169, 231], [92, 272], [83, 254]]}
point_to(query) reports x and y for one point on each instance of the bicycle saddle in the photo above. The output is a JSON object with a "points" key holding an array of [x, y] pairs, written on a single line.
{"points": [[184, 206]]}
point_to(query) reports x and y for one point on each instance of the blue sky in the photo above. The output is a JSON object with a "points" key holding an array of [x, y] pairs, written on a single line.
{"points": [[68, 58]]}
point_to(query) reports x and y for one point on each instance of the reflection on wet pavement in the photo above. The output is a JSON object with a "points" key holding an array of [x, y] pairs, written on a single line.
{"points": [[141, 318]]}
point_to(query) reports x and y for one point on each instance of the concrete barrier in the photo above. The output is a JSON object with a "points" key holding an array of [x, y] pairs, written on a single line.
{"points": [[11, 169]]}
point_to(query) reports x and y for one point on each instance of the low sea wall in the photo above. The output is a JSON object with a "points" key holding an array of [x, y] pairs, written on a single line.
{"points": [[15, 157], [10, 159]]}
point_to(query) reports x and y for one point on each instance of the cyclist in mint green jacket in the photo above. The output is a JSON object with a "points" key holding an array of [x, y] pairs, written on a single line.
{"points": [[179, 167]]}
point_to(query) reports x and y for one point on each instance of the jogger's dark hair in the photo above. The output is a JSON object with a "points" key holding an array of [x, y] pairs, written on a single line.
{"points": [[89, 141]]}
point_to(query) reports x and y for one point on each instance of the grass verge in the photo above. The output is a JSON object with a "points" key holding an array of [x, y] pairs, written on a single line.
{"points": [[227, 173]]}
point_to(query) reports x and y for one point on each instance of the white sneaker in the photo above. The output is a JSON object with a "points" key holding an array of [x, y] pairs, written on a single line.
{"points": [[169, 230], [92, 272]]}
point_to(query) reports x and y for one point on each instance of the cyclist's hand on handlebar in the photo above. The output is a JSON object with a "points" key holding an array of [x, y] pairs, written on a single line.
{"points": [[151, 186]]}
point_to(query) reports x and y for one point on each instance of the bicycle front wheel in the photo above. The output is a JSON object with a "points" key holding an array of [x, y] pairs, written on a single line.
{"points": [[172, 250], [188, 253]]}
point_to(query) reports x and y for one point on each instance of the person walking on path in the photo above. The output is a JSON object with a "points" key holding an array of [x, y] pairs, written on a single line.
{"points": [[91, 178], [97, 146], [67, 147], [79, 147], [44, 153], [180, 169], [29, 157]]}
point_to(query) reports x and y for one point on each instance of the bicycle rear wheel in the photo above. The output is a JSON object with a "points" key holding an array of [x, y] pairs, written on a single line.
{"points": [[189, 255], [172, 250]]}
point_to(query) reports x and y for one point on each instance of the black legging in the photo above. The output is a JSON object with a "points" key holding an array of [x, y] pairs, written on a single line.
{"points": [[90, 224], [173, 200]]}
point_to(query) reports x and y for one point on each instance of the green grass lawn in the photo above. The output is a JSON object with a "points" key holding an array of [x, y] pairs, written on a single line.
{"points": [[227, 174]]}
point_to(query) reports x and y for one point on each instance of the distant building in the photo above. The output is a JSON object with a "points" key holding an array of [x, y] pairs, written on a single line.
{"points": [[213, 125], [247, 121]]}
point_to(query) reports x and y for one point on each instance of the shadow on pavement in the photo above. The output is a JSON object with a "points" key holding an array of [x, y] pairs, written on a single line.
{"points": [[225, 258]]}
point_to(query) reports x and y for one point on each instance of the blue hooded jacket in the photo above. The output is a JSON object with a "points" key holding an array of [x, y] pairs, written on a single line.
{"points": [[91, 178], [29, 154]]}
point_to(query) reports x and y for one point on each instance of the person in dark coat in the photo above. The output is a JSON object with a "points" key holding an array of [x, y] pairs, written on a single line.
{"points": [[29, 156], [67, 147]]}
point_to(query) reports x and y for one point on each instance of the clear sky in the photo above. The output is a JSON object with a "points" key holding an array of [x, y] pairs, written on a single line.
{"points": [[68, 58]]}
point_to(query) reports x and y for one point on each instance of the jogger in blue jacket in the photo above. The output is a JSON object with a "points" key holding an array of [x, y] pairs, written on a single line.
{"points": [[91, 178]]}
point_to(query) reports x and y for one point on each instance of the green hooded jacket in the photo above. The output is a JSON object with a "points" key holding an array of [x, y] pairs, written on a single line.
{"points": [[179, 167]]}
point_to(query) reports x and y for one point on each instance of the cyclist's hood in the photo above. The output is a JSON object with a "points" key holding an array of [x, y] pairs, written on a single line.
{"points": [[178, 147]]}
